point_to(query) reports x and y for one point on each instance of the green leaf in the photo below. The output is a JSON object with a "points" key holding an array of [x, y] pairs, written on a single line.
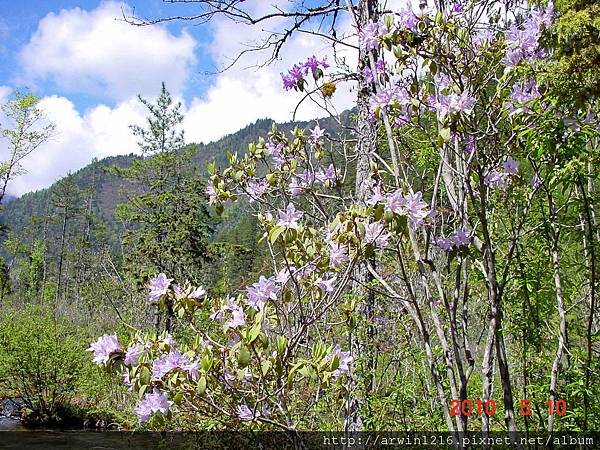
{"points": [[275, 233], [201, 389], [243, 357], [445, 134]]}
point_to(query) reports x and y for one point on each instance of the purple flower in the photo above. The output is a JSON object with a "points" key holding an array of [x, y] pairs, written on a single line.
{"points": [[483, 36], [104, 347], [536, 182], [338, 254], [295, 187], [511, 167], [290, 217], [173, 360], [284, 275], [461, 238], [521, 95], [256, 189], [260, 292], [245, 413], [169, 340], [445, 244], [228, 378], [522, 44], [238, 320], [469, 144], [228, 307], [497, 180], [408, 19], [316, 133], [153, 402], [294, 75], [133, 353], [454, 103], [375, 233], [380, 65], [329, 174], [199, 292], [326, 285], [158, 287], [368, 74], [395, 202], [368, 36], [396, 95], [457, 8], [377, 196], [345, 361], [416, 209], [275, 153], [312, 65], [192, 369]]}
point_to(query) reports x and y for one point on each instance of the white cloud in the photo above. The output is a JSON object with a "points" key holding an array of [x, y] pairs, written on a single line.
{"points": [[5, 92], [95, 52], [81, 50], [247, 91], [99, 132]]}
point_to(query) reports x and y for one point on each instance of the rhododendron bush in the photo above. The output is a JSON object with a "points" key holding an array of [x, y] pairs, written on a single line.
{"points": [[470, 154]]}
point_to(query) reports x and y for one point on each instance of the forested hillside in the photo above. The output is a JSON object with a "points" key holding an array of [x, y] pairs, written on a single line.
{"points": [[101, 191]]}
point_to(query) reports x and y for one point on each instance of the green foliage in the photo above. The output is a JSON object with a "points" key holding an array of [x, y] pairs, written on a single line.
{"points": [[574, 74], [26, 129], [41, 360], [166, 222]]}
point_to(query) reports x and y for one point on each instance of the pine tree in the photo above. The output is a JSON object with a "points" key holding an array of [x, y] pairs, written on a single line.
{"points": [[166, 221]]}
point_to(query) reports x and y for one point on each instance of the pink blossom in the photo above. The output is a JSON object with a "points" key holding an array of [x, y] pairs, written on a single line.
{"points": [[104, 347], [173, 360], [158, 287], [290, 217], [327, 284], [155, 402], [375, 233], [345, 361], [133, 353], [260, 292], [338, 254]]}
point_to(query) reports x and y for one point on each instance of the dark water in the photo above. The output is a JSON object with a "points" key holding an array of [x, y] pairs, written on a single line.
{"points": [[9, 411]]}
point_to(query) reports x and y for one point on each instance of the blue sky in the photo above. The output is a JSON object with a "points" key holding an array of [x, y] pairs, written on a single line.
{"points": [[88, 67], [19, 20]]}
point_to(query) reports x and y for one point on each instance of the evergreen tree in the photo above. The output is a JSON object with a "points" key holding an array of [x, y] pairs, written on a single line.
{"points": [[166, 221]]}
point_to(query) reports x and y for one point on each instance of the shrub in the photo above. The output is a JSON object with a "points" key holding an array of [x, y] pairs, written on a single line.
{"points": [[41, 362]]}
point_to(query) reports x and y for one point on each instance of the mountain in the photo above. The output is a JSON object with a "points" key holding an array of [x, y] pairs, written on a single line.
{"points": [[104, 191]]}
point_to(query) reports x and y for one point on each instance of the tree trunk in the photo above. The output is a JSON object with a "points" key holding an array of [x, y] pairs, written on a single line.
{"points": [[362, 341]]}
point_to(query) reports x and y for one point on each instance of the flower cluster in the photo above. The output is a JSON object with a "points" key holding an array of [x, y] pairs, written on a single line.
{"points": [[452, 104], [501, 179], [104, 348], [521, 94], [523, 42], [158, 287], [295, 76], [369, 36], [411, 205], [345, 361], [172, 361], [262, 291], [153, 402], [460, 239]]}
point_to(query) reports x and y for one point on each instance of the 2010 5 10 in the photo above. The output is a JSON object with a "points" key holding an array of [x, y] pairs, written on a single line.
{"points": [[478, 407]]}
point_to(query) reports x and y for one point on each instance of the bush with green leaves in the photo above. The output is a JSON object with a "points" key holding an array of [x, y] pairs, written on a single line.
{"points": [[42, 362]]}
